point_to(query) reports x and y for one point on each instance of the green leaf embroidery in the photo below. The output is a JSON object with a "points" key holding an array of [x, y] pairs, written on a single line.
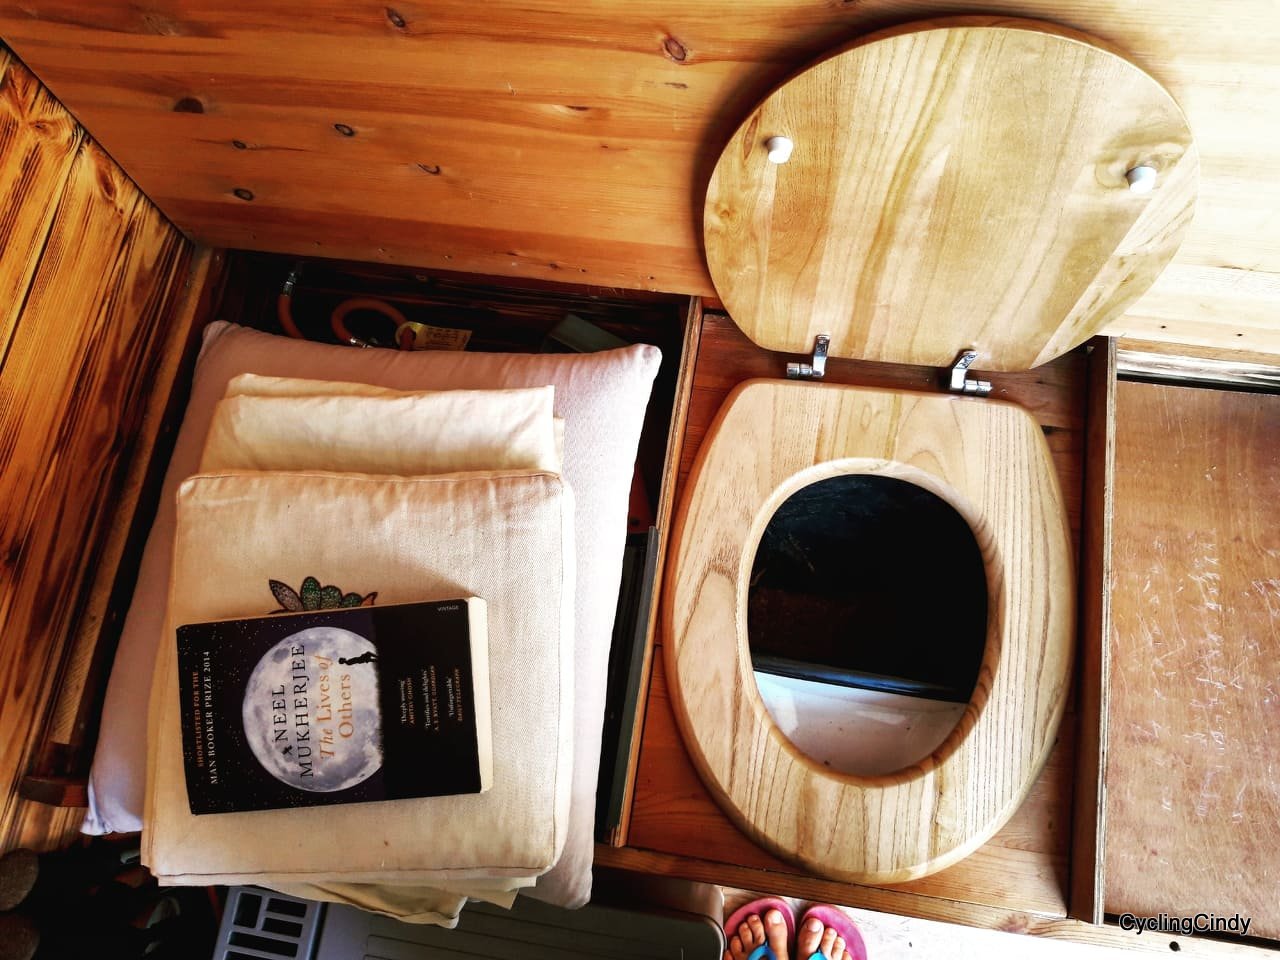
{"points": [[310, 594], [285, 595]]}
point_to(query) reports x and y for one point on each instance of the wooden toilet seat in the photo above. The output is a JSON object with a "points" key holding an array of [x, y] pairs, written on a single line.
{"points": [[994, 187], [989, 460]]}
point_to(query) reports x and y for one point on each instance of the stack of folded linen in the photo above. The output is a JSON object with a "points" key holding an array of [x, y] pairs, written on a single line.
{"points": [[411, 494]]}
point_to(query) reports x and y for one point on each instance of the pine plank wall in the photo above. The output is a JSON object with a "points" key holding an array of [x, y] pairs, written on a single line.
{"points": [[90, 272]]}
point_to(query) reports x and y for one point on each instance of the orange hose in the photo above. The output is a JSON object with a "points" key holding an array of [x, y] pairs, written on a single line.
{"points": [[338, 320], [284, 313]]}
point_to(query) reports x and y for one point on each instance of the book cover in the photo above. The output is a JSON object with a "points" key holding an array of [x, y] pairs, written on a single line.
{"points": [[336, 706]]}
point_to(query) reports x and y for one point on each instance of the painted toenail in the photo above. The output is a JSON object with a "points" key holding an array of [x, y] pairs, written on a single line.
{"points": [[814, 925]]}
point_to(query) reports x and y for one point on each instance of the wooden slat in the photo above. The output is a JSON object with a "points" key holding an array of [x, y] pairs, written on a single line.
{"points": [[38, 142], [79, 351], [1088, 832], [666, 504], [1186, 352], [577, 140], [1209, 306], [1192, 782], [148, 440]]}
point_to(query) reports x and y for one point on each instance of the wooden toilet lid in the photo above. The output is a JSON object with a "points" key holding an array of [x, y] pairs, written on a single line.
{"points": [[953, 185], [989, 460]]}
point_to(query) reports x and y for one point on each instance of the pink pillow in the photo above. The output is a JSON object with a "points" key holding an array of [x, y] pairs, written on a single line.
{"points": [[602, 399]]}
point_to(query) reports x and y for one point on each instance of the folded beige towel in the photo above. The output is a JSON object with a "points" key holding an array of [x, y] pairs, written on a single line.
{"points": [[256, 385], [382, 432], [504, 536], [408, 904]]}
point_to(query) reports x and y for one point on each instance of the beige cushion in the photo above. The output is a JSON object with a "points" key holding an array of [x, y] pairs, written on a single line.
{"points": [[285, 423], [506, 537], [602, 398], [406, 434], [253, 385]]}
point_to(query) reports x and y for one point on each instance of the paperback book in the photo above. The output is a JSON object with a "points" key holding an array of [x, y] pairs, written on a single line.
{"points": [[336, 706]]}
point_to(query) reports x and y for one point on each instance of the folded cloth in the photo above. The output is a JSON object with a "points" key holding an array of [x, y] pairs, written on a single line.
{"points": [[602, 398], [284, 423], [255, 385], [404, 434], [409, 904], [504, 536]]}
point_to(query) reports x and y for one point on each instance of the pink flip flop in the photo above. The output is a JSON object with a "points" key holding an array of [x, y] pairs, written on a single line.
{"points": [[760, 908], [854, 948]]}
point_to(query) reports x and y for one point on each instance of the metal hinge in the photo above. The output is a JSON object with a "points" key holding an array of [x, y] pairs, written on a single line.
{"points": [[960, 382], [816, 369]]}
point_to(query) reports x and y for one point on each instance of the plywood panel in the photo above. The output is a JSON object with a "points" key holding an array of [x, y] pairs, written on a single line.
{"points": [[542, 139], [92, 275], [1193, 773]]}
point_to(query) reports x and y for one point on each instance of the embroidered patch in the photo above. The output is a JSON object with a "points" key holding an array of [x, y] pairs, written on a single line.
{"points": [[312, 596]]}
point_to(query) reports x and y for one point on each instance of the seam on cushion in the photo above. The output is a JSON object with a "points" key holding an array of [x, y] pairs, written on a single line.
{"points": [[560, 686], [456, 476]]}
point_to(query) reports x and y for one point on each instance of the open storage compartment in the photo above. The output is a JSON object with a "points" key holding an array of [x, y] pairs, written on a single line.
{"points": [[495, 315]]}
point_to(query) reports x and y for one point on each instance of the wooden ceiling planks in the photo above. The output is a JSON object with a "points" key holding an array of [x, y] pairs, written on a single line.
{"points": [[574, 141]]}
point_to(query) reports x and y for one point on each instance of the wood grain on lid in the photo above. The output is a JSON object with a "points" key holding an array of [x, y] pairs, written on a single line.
{"points": [[953, 185]]}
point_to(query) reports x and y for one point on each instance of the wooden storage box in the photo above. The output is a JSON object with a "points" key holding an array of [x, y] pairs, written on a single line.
{"points": [[107, 297]]}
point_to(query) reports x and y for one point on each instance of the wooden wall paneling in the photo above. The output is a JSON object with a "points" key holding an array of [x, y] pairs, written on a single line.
{"points": [[74, 369], [38, 143], [1192, 779], [163, 385], [1207, 306], [1088, 834], [549, 140]]}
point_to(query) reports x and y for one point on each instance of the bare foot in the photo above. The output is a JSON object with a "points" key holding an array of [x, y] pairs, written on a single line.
{"points": [[814, 937], [772, 928]]}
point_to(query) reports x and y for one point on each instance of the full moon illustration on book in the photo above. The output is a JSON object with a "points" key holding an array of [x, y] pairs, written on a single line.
{"points": [[311, 713]]}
